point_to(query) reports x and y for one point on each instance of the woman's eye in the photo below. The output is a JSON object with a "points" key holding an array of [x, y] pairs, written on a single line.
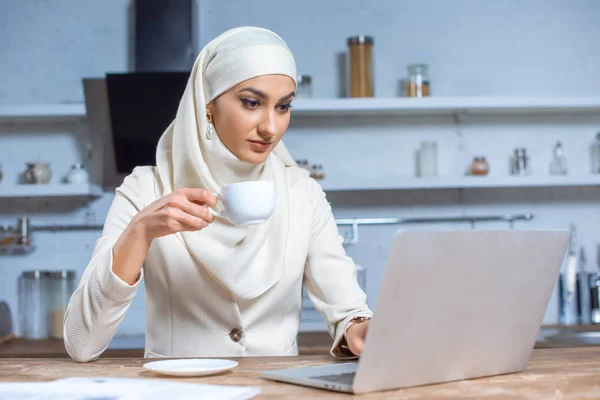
{"points": [[284, 107], [250, 103]]}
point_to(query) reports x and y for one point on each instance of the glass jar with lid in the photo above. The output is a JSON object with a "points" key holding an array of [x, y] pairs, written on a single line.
{"points": [[61, 286], [360, 49], [558, 164], [304, 87], [417, 84], [33, 304]]}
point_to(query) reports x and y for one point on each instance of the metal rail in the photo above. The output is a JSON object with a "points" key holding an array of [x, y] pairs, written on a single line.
{"points": [[354, 222]]}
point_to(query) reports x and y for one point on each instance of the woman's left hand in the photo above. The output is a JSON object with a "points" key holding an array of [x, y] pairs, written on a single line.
{"points": [[355, 337]]}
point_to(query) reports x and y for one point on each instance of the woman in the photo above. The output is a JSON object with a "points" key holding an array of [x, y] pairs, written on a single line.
{"points": [[213, 288]]}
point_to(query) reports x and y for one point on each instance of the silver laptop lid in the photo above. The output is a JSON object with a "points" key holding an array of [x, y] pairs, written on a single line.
{"points": [[457, 305]]}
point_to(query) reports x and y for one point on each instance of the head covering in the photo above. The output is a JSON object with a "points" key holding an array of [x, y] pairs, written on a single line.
{"points": [[246, 260]]}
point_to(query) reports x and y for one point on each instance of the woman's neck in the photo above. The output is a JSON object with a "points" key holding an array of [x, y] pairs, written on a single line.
{"points": [[227, 168]]}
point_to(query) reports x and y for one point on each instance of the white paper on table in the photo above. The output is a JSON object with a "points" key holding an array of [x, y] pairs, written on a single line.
{"points": [[100, 388]]}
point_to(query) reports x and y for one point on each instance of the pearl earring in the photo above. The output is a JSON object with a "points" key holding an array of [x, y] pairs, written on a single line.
{"points": [[210, 131]]}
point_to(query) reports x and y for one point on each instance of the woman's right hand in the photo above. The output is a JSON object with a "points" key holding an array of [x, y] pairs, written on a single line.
{"points": [[183, 210]]}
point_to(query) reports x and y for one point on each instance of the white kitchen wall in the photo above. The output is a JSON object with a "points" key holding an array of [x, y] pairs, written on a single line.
{"points": [[474, 47]]}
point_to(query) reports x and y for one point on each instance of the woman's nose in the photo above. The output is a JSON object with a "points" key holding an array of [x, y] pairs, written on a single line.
{"points": [[268, 126]]}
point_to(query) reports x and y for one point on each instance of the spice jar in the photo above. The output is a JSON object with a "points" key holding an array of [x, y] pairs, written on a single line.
{"points": [[33, 301], [317, 172], [304, 87], [61, 286], [360, 65], [417, 84], [480, 166]]}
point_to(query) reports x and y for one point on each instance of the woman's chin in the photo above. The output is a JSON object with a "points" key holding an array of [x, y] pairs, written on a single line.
{"points": [[254, 157]]}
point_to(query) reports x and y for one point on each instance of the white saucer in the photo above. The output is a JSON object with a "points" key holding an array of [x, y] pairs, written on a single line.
{"points": [[190, 366]]}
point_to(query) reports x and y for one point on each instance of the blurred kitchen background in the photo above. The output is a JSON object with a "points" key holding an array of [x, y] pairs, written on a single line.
{"points": [[435, 114]]}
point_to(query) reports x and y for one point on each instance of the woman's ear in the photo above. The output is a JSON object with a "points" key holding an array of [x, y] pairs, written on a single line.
{"points": [[210, 112]]}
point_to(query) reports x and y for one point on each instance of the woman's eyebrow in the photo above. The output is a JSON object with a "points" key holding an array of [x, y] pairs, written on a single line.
{"points": [[265, 96], [256, 92], [289, 96]]}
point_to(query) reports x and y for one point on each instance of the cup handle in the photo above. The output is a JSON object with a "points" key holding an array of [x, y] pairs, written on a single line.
{"points": [[217, 213]]}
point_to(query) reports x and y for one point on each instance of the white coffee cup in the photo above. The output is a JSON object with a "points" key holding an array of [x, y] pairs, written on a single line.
{"points": [[247, 203]]}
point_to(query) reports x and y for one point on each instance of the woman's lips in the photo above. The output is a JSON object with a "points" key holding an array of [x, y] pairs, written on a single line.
{"points": [[259, 145]]}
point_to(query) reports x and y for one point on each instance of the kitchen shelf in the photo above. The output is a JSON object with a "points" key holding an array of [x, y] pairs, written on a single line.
{"points": [[443, 105], [42, 111], [50, 190], [461, 183], [365, 106]]}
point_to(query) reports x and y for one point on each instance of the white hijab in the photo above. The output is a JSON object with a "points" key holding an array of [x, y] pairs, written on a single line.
{"points": [[246, 260]]}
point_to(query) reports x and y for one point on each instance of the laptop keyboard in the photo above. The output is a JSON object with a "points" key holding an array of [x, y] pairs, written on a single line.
{"points": [[347, 378]]}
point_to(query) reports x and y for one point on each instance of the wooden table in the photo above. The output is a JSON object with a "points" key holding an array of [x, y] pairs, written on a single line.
{"points": [[551, 373], [309, 344]]}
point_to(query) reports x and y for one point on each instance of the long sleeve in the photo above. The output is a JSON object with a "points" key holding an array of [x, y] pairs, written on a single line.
{"points": [[99, 303], [330, 275]]}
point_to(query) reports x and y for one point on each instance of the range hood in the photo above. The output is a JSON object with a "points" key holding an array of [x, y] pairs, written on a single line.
{"points": [[128, 112]]}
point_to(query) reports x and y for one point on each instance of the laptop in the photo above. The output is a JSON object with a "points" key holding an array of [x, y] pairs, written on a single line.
{"points": [[453, 305]]}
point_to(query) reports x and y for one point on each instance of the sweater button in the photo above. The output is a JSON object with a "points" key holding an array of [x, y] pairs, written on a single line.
{"points": [[235, 335]]}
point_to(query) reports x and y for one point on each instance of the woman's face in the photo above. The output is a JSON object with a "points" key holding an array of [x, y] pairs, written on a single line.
{"points": [[252, 117]]}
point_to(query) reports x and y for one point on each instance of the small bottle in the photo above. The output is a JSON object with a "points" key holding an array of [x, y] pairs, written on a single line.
{"points": [[520, 162], [480, 166], [417, 84], [23, 232], [595, 155], [558, 165], [567, 288], [595, 291], [583, 289], [317, 172], [595, 298]]}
